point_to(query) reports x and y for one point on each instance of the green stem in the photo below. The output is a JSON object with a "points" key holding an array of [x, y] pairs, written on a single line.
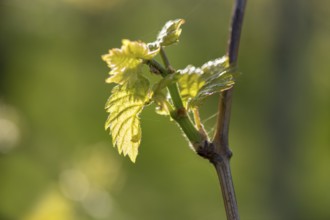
{"points": [[193, 135], [181, 117], [166, 61], [158, 67], [179, 114], [175, 95]]}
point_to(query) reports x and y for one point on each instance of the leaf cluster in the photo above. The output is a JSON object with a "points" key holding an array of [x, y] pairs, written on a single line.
{"points": [[176, 90]]}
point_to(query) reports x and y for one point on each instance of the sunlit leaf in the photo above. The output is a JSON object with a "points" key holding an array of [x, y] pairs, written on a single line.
{"points": [[160, 94], [124, 106], [216, 66], [126, 63], [198, 83], [218, 76], [162, 103], [168, 35], [190, 82]]}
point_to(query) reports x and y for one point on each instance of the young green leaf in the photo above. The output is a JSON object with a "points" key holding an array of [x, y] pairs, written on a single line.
{"points": [[168, 35], [160, 94], [198, 83], [163, 107], [124, 106], [190, 82], [126, 63], [218, 76]]}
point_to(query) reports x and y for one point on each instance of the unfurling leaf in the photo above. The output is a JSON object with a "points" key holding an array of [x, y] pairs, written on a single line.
{"points": [[126, 63], [190, 82], [160, 94], [124, 106], [169, 34], [218, 76], [198, 83], [216, 66]]}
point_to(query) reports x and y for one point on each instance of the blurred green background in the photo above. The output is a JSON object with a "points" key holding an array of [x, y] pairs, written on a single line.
{"points": [[58, 163]]}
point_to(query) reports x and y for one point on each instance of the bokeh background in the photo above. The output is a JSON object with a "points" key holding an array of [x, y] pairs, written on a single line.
{"points": [[58, 163]]}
